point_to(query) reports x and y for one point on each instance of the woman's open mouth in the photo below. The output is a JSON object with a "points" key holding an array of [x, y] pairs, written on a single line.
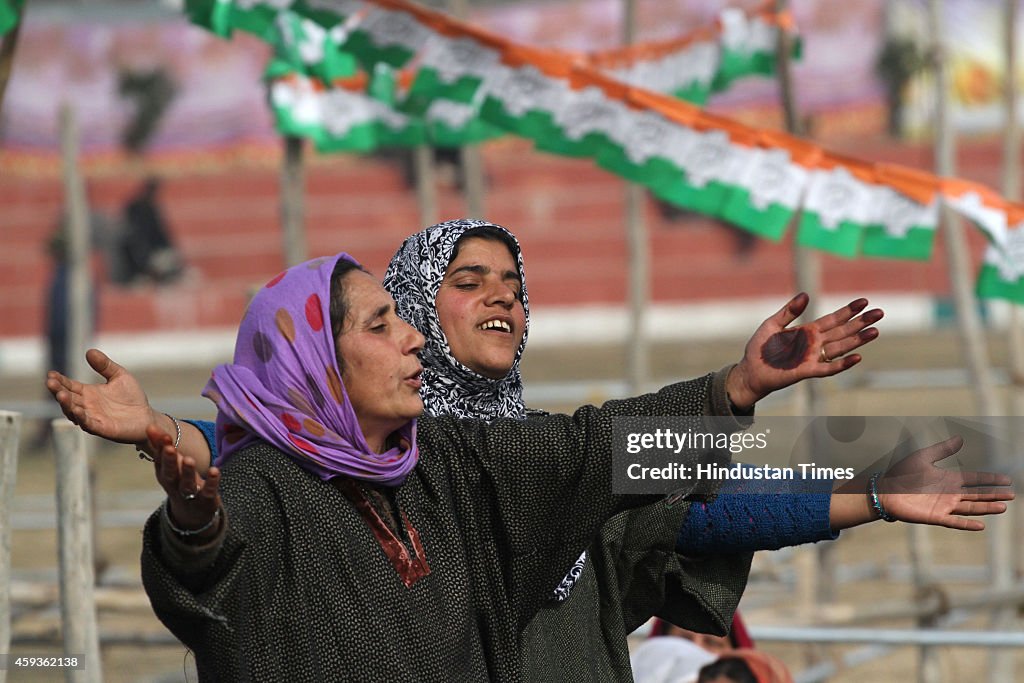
{"points": [[496, 324]]}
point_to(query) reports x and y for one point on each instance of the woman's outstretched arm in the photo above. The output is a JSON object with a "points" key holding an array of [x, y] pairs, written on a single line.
{"points": [[118, 410]]}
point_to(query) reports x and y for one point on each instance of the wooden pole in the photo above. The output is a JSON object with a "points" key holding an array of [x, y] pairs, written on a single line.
{"points": [[917, 536], [817, 577], [293, 209], [921, 558], [77, 238], [1012, 191], [426, 186], [958, 256], [472, 159], [74, 540], [80, 296], [933, 604], [806, 262], [1002, 531], [40, 595], [10, 428], [638, 250], [957, 253], [7, 49], [1011, 188], [473, 177], [969, 324]]}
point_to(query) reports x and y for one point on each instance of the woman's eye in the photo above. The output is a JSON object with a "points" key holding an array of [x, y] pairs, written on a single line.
{"points": [[379, 328], [466, 285]]}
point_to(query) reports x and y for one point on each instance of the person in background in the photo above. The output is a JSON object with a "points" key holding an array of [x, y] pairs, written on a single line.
{"points": [[738, 636], [676, 645], [669, 660], [58, 294], [101, 231], [148, 253], [745, 666], [57, 302]]}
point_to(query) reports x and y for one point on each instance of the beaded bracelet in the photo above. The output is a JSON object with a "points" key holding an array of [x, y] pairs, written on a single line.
{"points": [[188, 532], [143, 455], [876, 503]]}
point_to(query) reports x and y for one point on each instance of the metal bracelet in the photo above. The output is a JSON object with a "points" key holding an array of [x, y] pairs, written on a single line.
{"points": [[188, 532], [876, 503], [143, 455]]}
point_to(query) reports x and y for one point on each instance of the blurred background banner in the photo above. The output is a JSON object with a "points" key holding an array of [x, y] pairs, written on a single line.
{"points": [[105, 66], [842, 38], [9, 11], [976, 61], [161, 83], [108, 66]]}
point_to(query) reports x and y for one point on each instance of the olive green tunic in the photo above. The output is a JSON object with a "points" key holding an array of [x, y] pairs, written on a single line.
{"points": [[634, 572]]}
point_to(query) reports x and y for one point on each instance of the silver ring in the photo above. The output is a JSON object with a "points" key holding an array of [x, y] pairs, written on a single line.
{"points": [[188, 496]]}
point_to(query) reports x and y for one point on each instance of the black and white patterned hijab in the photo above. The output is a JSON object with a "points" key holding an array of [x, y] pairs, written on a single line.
{"points": [[413, 279]]}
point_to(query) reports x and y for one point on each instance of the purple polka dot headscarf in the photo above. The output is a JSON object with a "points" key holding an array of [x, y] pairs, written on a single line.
{"points": [[284, 386]]}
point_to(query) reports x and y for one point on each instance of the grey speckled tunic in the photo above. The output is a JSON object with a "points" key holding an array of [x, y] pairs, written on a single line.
{"points": [[298, 588]]}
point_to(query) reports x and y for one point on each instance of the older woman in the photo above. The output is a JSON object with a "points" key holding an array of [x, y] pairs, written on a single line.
{"points": [[338, 539]]}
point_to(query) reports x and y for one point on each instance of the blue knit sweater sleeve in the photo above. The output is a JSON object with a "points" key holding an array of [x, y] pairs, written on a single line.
{"points": [[207, 428], [750, 515]]}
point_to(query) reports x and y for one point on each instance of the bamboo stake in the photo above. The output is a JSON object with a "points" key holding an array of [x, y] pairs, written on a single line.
{"points": [[918, 536], [891, 636], [638, 250], [119, 638], [471, 159], [41, 595], [293, 209], [78, 238], [921, 558], [1002, 532], [1012, 191], [806, 262], [77, 227], [818, 577], [929, 605], [10, 428], [426, 188], [74, 539], [972, 337], [473, 177]]}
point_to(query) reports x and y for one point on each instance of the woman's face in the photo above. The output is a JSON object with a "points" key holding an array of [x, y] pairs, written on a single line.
{"points": [[380, 369], [479, 309]]}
